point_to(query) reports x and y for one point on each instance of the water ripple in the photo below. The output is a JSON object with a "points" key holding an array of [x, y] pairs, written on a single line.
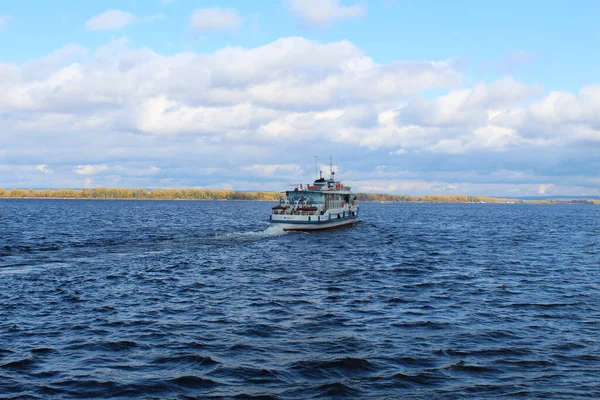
{"points": [[180, 300]]}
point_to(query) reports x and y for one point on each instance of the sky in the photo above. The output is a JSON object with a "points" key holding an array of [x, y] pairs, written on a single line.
{"points": [[408, 97]]}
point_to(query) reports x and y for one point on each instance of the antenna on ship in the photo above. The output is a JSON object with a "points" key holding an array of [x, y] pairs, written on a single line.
{"points": [[331, 171]]}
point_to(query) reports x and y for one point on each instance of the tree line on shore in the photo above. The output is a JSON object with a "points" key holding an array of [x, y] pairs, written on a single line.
{"points": [[431, 198], [203, 194], [138, 194]]}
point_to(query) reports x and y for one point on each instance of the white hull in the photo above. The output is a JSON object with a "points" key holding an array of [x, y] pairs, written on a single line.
{"points": [[314, 226]]}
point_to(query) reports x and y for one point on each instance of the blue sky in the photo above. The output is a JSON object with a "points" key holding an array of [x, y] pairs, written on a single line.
{"points": [[415, 97]]}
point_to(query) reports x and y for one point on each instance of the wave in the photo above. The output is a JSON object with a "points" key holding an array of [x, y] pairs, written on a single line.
{"points": [[18, 364], [186, 359], [322, 368], [336, 389], [190, 381], [120, 345], [420, 378]]}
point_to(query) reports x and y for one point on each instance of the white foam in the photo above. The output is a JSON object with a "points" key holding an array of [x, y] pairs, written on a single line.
{"points": [[274, 230], [270, 231]]}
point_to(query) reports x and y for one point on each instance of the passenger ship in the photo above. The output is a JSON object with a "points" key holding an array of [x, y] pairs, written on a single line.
{"points": [[325, 204]]}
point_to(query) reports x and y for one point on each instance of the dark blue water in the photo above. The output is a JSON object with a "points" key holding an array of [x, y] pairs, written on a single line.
{"points": [[174, 299]]}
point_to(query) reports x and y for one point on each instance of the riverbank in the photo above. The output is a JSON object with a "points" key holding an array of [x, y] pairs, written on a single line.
{"points": [[201, 194], [137, 194]]}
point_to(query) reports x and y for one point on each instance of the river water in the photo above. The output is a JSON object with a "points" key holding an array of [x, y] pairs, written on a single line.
{"points": [[201, 299]]}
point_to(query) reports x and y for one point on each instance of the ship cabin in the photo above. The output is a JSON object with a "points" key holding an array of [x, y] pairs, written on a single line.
{"points": [[315, 199]]}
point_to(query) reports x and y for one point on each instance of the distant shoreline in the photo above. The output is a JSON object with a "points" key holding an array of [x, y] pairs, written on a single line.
{"points": [[127, 199], [230, 195]]}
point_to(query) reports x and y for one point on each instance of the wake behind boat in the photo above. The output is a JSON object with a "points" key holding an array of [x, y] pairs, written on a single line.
{"points": [[325, 204]]}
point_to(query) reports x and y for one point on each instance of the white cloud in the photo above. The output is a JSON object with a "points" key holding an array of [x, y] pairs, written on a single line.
{"points": [[160, 116], [136, 171], [43, 168], [3, 20], [435, 187], [213, 19], [563, 107], [198, 93], [224, 119], [467, 106], [112, 20], [273, 170], [44, 66], [324, 12], [90, 169], [398, 152], [543, 188]]}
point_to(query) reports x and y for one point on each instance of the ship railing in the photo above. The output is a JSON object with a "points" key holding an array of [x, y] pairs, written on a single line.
{"points": [[304, 212], [302, 186], [330, 186]]}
